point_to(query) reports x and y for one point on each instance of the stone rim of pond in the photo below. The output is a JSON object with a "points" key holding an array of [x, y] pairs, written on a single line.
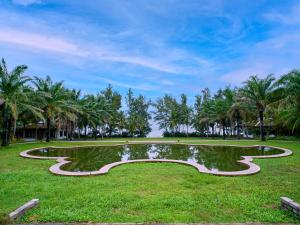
{"points": [[247, 160]]}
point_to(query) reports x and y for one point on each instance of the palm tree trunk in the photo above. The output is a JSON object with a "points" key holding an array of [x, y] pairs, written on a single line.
{"points": [[238, 127], [223, 127], [261, 125], [24, 129], [95, 132], [246, 131], [58, 129], [187, 130], [14, 127], [36, 133], [9, 130], [109, 130], [48, 130], [5, 126], [71, 131], [207, 130]]}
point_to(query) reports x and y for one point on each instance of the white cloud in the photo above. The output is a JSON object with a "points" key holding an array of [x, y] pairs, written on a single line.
{"points": [[60, 45], [238, 76], [290, 18], [134, 46], [41, 42], [141, 61], [26, 2], [277, 55], [161, 61]]}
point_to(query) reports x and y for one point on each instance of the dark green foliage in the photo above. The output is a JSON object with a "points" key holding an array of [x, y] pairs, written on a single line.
{"points": [[138, 115], [272, 106]]}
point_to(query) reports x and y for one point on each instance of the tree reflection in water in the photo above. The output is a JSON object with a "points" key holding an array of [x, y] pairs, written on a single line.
{"points": [[219, 158]]}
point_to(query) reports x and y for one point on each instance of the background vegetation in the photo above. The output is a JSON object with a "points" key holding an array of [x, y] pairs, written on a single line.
{"points": [[259, 103]]}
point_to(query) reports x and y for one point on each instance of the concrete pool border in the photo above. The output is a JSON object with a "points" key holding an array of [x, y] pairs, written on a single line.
{"points": [[247, 160]]}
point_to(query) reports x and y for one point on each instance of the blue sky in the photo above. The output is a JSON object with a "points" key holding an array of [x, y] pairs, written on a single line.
{"points": [[153, 47]]}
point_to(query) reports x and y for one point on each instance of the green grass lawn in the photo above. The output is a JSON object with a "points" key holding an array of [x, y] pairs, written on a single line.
{"points": [[150, 192]]}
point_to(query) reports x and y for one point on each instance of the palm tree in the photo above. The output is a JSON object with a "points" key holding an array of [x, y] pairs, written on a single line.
{"points": [[237, 112], [71, 116], [219, 114], [12, 96], [53, 97], [93, 112], [221, 104], [30, 112], [87, 107], [289, 110], [259, 92]]}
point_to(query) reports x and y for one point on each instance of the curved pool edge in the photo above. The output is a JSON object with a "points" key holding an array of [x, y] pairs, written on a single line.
{"points": [[247, 160]]}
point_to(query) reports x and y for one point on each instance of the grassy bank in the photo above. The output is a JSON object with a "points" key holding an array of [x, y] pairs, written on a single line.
{"points": [[153, 192]]}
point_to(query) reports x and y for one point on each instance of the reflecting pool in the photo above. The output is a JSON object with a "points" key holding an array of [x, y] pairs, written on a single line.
{"points": [[216, 158]]}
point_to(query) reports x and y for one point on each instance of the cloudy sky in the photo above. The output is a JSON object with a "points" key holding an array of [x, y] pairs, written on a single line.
{"points": [[153, 47]]}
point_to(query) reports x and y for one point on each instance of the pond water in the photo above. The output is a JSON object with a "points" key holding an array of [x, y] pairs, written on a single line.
{"points": [[217, 158]]}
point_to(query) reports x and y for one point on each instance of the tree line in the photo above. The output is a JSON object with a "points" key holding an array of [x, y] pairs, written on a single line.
{"points": [[263, 103], [257, 106], [27, 100]]}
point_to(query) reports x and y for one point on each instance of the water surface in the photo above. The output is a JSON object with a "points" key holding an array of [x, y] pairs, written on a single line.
{"points": [[216, 158]]}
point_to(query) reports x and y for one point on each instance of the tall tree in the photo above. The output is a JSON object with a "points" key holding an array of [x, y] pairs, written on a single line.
{"points": [[197, 116], [87, 113], [70, 117], [289, 105], [237, 112], [219, 113], [53, 97], [185, 113], [167, 113], [13, 97], [138, 115], [122, 123], [30, 112], [207, 108], [259, 92], [113, 100]]}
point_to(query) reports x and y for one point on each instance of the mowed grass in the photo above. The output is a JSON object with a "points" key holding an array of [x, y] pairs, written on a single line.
{"points": [[150, 192]]}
